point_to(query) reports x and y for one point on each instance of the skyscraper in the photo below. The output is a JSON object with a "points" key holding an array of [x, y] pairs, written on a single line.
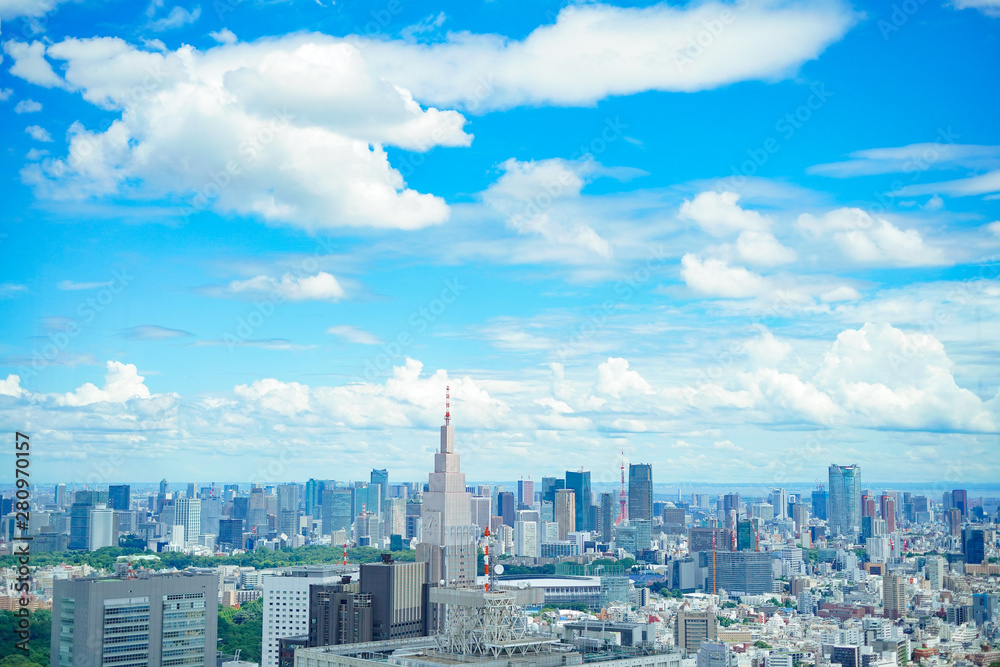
{"points": [[187, 513], [779, 501], [549, 487], [448, 534], [888, 509], [565, 512], [286, 606], [640, 491], [607, 516], [338, 510], [165, 619], [288, 510], [844, 513], [820, 498], [79, 519], [894, 596], [525, 494], [579, 483], [974, 544], [397, 592], [119, 497], [960, 501], [380, 478], [506, 507]]}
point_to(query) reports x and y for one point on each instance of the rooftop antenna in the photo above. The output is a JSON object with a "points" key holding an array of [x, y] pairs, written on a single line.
{"points": [[447, 405]]}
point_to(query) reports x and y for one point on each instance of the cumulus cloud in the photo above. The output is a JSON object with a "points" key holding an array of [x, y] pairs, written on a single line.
{"points": [[596, 50], [719, 214], [30, 64], [207, 128], [891, 378], [529, 194], [27, 106], [122, 383], [869, 240], [38, 133], [762, 249], [177, 18], [714, 277], [11, 386], [224, 36], [616, 379], [320, 287]]}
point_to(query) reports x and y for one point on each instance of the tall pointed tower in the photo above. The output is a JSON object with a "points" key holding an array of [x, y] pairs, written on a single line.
{"points": [[448, 536]]}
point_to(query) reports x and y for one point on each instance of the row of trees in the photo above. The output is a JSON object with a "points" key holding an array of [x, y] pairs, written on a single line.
{"points": [[105, 558]]}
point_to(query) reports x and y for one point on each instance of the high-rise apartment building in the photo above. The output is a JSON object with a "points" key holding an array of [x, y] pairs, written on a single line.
{"points": [[844, 513], [888, 509], [162, 619], [693, 627], [565, 512], [640, 491], [894, 596]]}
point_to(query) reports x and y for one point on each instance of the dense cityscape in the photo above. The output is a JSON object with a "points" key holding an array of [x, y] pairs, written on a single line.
{"points": [[500, 333], [845, 575]]}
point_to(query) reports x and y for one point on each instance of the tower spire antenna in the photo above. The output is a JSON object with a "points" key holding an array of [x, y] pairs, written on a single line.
{"points": [[447, 405]]}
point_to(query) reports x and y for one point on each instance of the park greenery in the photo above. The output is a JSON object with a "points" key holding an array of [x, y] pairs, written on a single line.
{"points": [[106, 557], [39, 629]]}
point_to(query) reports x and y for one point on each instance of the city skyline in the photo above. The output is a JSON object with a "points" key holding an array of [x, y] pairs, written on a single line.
{"points": [[714, 237]]}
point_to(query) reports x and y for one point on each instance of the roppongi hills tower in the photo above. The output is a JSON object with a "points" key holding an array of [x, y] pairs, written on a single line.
{"points": [[448, 536]]}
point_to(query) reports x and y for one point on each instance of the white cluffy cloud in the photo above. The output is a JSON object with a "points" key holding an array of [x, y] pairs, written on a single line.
{"points": [[988, 7], [205, 126], [870, 240], [320, 287], [532, 197], [719, 214], [714, 277], [121, 383], [593, 51]]}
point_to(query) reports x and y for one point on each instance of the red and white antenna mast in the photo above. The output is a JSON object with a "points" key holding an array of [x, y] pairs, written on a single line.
{"points": [[447, 405], [622, 498]]}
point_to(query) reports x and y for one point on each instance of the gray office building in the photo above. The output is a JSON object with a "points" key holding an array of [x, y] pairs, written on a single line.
{"points": [[397, 593], [747, 572], [169, 620]]}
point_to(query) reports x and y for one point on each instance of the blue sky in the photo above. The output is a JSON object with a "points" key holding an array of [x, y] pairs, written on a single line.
{"points": [[739, 241]]}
